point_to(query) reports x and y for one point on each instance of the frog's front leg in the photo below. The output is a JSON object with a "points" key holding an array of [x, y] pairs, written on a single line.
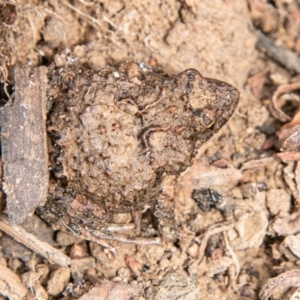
{"points": [[164, 209]]}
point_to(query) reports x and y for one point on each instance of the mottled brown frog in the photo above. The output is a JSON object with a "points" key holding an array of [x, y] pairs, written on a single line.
{"points": [[118, 135]]}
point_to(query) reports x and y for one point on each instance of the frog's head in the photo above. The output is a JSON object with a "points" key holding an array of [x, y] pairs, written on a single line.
{"points": [[210, 101]]}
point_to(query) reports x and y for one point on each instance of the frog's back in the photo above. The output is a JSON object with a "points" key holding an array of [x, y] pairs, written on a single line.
{"points": [[114, 133]]}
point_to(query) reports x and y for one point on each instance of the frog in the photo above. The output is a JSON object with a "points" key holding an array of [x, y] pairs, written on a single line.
{"points": [[120, 136]]}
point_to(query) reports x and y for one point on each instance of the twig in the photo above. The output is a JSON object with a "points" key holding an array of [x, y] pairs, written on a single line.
{"points": [[215, 229], [283, 56], [96, 235], [234, 258], [288, 156], [86, 3], [99, 238], [95, 21], [258, 163], [31, 241]]}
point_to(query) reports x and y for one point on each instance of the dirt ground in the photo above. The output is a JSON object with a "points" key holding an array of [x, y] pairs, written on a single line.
{"points": [[246, 230]]}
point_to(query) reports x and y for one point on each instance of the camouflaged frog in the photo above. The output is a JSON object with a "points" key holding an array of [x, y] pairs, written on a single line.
{"points": [[120, 136]]}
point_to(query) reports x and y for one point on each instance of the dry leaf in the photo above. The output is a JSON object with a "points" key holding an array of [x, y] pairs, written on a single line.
{"points": [[111, 291], [280, 283]]}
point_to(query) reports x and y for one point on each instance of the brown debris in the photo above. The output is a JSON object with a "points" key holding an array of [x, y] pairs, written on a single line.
{"points": [[292, 244], [79, 266], [285, 57], [286, 224], [99, 236], [174, 285], [292, 178], [33, 283], [58, 281], [257, 81], [66, 239], [10, 285], [258, 163], [79, 250], [201, 175], [111, 291], [288, 156], [2, 201], [24, 149], [32, 242], [133, 265], [218, 228], [238, 163], [278, 200], [221, 265], [264, 15], [280, 284], [251, 226], [282, 95], [193, 250], [8, 14], [289, 135]]}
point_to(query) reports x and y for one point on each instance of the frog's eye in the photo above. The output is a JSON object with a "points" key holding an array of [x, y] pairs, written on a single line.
{"points": [[188, 78], [204, 118], [193, 75], [207, 121], [227, 101]]}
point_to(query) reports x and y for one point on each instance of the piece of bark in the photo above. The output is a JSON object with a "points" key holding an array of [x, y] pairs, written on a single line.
{"points": [[24, 149]]}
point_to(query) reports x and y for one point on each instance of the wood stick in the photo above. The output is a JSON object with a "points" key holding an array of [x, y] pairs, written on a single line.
{"points": [[32, 242], [285, 57]]}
